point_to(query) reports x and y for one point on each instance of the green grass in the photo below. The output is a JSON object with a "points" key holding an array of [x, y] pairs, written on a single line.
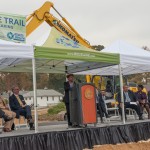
{"points": [[56, 109]]}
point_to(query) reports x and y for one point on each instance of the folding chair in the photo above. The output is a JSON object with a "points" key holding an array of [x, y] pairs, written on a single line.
{"points": [[131, 113], [114, 108], [19, 120]]}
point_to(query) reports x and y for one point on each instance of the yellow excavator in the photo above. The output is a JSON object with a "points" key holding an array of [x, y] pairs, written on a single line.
{"points": [[63, 26], [98, 81], [43, 15]]}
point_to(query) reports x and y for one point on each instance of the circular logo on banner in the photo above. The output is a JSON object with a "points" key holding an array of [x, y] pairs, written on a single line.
{"points": [[88, 93], [10, 35]]}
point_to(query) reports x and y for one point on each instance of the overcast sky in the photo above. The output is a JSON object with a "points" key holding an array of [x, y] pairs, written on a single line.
{"points": [[99, 21]]}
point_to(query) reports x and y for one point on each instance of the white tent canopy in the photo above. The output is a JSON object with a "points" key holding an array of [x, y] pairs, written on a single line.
{"points": [[132, 60], [14, 53], [15, 50], [49, 59]]}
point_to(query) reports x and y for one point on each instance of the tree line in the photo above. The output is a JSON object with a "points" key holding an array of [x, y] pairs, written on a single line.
{"points": [[25, 81]]}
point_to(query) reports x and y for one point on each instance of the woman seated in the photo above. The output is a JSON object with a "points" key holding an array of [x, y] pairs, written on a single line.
{"points": [[141, 98], [8, 122]]}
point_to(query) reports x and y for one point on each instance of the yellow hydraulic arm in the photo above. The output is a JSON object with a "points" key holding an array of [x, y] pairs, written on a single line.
{"points": [[43, 14], [98, 81]]}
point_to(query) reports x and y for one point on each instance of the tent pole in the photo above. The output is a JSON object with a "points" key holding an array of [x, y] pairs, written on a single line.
{"points": [[121, 91], [35, 95]]}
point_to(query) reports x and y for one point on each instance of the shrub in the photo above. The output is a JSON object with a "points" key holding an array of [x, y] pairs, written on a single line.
{"points": [[56, 109]]}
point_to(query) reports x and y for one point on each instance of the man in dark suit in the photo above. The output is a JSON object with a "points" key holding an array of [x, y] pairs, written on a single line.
{"points": [[68, 87], [19, 106], [100, 98], [129, 97]]}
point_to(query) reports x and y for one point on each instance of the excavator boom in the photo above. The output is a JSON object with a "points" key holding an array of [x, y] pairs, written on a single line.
{"points": [[43, 14], [37, 17]]}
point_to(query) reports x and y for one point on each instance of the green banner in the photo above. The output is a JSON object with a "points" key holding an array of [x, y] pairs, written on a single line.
{"points": [[13, 27], [58, 46], [75, 54]]}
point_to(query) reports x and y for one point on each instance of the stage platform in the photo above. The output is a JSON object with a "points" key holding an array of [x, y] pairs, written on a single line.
{"points": [[56, 136]]}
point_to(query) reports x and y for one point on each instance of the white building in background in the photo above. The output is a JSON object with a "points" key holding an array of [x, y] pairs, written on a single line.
{"points": [[44, 97]]}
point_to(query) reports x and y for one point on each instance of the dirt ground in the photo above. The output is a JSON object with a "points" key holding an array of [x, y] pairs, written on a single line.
{"points": [[144, 145]]}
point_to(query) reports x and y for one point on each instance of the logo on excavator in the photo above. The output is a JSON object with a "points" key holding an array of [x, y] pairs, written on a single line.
{"points": [[67, 42], [55, 22]]}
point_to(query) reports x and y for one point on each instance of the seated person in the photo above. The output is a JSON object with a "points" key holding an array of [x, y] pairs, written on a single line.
{"points": [[148, 95], [109, 90], [129, 96], [101, 104], [4, 116], [141, 98], [7, 115], [19, 106], [98, 105]]}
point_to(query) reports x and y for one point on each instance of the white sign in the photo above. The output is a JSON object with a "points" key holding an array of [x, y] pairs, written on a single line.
{"points": [[13, 28]]}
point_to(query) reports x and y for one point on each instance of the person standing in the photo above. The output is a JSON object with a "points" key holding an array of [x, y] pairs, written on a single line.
{"points": [[19, 106], [68, 86], [8, 122]]}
